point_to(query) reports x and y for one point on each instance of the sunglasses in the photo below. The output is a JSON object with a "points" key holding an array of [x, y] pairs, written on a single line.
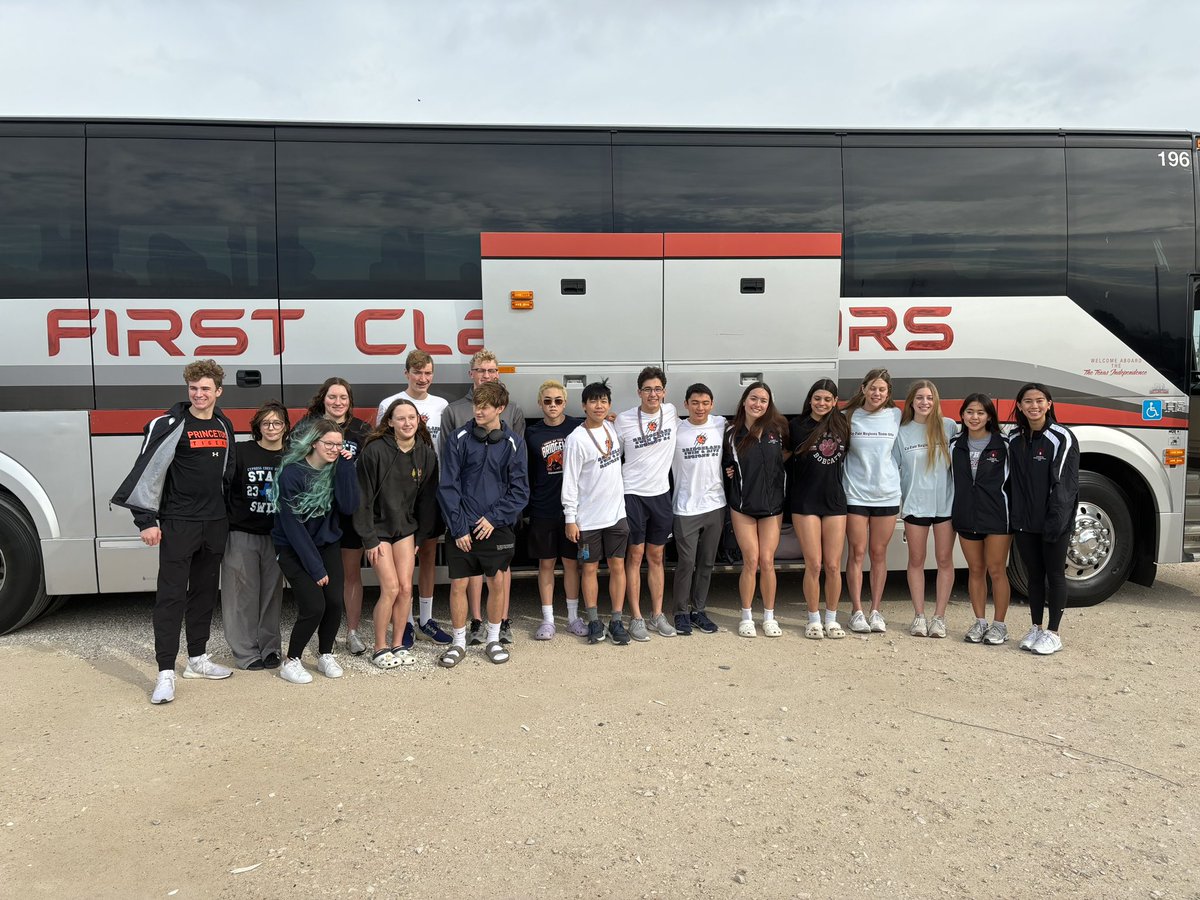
{"points": [[553, 401]]}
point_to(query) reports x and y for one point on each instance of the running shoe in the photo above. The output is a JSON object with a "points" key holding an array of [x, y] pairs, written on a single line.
{"points": [[996, 634], [683, 624], [1031, 637], [616, 631], [858, 623], [164, 688], [1047, 643], [638, 631], [875, 620], [704, 623], [432, 631], [355, 644], [919, 627], [595, 631], [937, 627], [660, 624], [976, 632], [203, 667]]}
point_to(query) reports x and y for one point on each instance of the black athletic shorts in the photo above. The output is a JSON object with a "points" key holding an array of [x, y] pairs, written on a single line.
{"points": [[350, 538], [650, 518], [926, 521], [977, 535], [548, 540], [487, 556], [604, 543], [874, 512]]}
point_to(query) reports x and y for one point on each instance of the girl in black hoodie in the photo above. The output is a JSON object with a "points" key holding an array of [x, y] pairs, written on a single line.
{"points": [[1044, 464], [398, 480]]}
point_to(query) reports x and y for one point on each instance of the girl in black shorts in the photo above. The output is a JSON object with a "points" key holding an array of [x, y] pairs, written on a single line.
{"points": [[753, 458], [819, 438], [979, 462], [398, 480]]}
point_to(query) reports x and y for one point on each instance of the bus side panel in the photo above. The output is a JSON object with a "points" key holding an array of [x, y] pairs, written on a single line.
{"points": [[123, 561]]}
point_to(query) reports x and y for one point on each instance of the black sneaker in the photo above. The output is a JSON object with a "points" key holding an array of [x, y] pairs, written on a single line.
{"points": [[616, 631], [505, 632], [595, 632], [683, 625], [704, 623], [476, 633], [271, 661]]}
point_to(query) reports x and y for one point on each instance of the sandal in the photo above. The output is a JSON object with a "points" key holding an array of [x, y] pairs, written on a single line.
{"points": [[384, 659], [771, 628], [496, 652], [452, 657], [404, 657], [814, 631], [833, 631], [746, 628]]}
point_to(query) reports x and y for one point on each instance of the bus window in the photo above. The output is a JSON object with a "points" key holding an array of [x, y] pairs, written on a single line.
{"points": [[954, 221], [41, 218], [177, 219]]}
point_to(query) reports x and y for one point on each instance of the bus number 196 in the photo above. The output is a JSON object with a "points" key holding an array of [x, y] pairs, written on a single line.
{"points": [[1176, 159]]}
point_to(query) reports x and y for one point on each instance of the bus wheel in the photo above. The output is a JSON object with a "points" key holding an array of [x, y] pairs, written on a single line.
{"points": [[22, 588], [1100, 549]]}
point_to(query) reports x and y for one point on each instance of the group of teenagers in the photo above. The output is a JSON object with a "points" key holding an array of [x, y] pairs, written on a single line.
{"points": [[313, 501]]}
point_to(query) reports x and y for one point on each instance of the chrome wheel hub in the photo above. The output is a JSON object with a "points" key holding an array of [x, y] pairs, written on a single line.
{"points": [[1090, 547]]}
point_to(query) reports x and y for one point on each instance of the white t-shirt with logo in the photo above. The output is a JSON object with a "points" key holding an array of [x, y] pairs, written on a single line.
{"points": [[430, 410], [593, 496], [648, 442], [696, 466], [870, 475]]}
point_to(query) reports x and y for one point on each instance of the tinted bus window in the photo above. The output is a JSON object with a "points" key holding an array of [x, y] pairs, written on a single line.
{"points": [[941, 222], [41, 217], [402, 221], [721, 189], [1132, 248], [181, 218]]}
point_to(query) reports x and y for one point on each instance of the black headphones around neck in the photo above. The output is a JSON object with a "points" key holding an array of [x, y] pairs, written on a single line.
{"points": [[484, 436]]}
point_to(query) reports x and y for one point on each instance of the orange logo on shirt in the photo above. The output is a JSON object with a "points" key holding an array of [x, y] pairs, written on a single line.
{"points": [[701, 439]]}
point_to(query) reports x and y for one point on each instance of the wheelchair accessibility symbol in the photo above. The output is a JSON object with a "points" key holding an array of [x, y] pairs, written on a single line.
{"points": [[1152, 410]]}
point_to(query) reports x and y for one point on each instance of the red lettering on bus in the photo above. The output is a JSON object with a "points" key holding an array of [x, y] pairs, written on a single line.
{"points": [[237, 335], [880, 333], [164, 337], [470, 340], [56, 331], [110, 333], [360, 332], [945, 332], [277, 317], [419, 337]]}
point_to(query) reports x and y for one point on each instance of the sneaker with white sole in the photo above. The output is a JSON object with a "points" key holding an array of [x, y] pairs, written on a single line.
{"points": [[858, 623], [164, 688], [937, 627], [1031, 636], [996, 634], [662, 625], [355, 644], [976, 632], [875, 620], [327, 665], [203, 667], [919, 627], [293, 671], [637, 630], [1047, 643]]}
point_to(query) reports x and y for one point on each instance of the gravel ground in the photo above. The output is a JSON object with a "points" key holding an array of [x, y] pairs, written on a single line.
{"points": [[707, 766]]}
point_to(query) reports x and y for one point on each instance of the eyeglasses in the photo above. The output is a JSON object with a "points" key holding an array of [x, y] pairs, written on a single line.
{"points": [[486, 371], [653, 390], [265, 425], [553, 401], [331, 445]]}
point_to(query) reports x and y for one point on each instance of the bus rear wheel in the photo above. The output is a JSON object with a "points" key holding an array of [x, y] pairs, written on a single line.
{"points": [[22, 586], [1100, 549]]}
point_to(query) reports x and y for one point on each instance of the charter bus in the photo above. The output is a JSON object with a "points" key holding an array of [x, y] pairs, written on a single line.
{"points": [[291, 252]]}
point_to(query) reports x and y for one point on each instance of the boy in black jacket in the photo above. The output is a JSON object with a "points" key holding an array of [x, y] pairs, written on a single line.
{"points": [[176, 492]]}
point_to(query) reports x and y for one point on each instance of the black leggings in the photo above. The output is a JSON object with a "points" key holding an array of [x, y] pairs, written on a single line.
{"points": [[1045, 561], [319, 609]]}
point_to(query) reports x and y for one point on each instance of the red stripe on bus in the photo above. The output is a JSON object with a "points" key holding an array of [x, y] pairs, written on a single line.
{"points": [[754, 246], [133, 421], [512, 245]]}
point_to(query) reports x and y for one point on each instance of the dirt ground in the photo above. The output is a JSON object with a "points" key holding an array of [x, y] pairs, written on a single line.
{"points": [[706, 766]]}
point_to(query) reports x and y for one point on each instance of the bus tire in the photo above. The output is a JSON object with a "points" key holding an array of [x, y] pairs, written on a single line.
{"points": [[22, 586], [1100, 550]]}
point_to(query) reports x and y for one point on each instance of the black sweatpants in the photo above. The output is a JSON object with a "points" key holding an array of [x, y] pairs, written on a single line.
{"points": [[189, 569], [1045, 561], [319, 609]]}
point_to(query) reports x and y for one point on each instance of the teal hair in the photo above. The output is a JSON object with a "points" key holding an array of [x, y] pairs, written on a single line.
{"points": [[317, 499]]}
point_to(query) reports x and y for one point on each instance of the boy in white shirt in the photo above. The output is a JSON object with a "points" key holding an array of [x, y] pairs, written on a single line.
{"points": [[594, 510], [648, 443], [699, 507]]}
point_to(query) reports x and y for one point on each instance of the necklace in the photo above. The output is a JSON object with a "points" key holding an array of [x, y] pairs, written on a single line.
{"points": [[608, 444], [658, 427]]}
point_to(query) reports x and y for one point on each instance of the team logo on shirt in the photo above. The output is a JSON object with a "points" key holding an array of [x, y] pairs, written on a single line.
{"points": [[425, 418], [552, 455], [208, 437], [993, 456], [701, 440], [652, 427], [1040, 456]]}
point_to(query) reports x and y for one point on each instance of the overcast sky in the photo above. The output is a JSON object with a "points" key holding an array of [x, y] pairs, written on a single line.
{"points": [[858, 63]]}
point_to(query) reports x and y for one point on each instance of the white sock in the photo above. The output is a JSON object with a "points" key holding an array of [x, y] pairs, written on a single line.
{"points": [[426, 604], [747, 615], [548, 614], [410, 620], [830, 616], [460, 637], [981, 621], [572, 610], [493, 632], [814, 618], [768, 615]]}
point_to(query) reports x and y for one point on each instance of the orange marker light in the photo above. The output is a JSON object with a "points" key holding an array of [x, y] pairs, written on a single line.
{"points": [[521, 299], [1174, 456]]}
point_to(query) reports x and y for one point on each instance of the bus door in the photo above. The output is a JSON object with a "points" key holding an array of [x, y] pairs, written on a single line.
{"points": [[1191, 517], [577, 308], [741, 308]]}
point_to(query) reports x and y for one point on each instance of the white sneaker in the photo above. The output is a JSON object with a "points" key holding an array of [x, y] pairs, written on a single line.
{"points": [[937, 627], [328, 666], [203, 667], [996, 634], [919, 627], [875, 620], [1048, 643], [164, 688], [858, 623], [1031, 637], [293, 670], [354, 643]]}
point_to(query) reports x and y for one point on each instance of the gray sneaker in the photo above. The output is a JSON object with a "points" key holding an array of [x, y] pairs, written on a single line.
{"points": [[997, 634], [875, 620], [1030, 638], [858, 623], [976, 632], [637, 630], [918, 628], [355, 644], [937, 627], [203, 667], [662, 625]]}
